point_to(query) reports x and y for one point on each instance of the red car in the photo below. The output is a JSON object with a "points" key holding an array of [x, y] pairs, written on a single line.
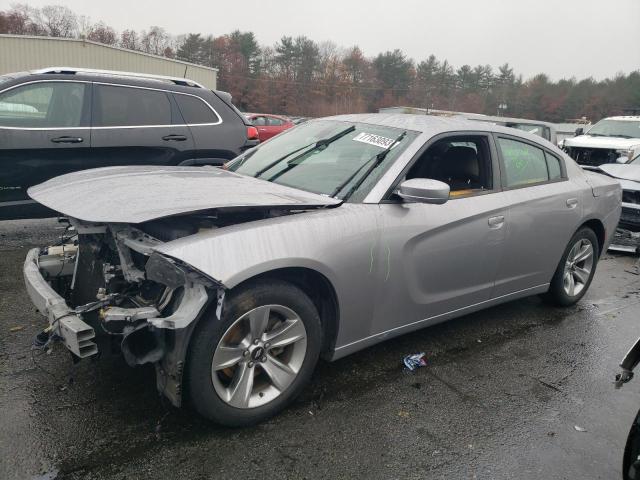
{"points": [[269, 125]]}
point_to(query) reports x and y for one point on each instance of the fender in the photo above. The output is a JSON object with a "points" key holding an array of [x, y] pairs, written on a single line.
{"points": [[231, 255]]}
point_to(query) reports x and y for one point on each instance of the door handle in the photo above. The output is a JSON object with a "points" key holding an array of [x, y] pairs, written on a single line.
{"points": [[572, 202], [174, 138], [67, 139], [496, 222]]}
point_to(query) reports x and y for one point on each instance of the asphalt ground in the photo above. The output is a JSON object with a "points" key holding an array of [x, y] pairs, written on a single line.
{"points": [[522, 390]]}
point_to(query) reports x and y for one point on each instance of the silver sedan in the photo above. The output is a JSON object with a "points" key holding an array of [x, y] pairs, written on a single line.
{"points": [[330, 238]]}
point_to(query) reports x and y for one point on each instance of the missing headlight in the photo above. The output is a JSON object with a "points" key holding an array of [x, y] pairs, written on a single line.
{"points": [[173, 274]]}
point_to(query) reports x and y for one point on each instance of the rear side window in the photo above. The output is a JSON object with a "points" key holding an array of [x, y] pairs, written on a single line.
{"points": [[524, 164], [43, 105], [117, 106], [274, 122], [195, 111], [259, 121], [553, 164]]}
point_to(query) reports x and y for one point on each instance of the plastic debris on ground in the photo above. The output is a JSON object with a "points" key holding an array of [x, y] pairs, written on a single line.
{"points": [[416, 360], [579, 429]]}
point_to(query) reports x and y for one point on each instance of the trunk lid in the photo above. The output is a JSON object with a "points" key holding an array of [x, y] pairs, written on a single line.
{"points": [[137, 194]]}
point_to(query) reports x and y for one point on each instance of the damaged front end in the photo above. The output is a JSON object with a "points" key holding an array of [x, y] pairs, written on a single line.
{"points": [[627, 235], [107, 287]]}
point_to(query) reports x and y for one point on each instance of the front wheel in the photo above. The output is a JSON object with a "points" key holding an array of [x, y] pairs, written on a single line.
{"points": [[576, 269], [249, 366]]}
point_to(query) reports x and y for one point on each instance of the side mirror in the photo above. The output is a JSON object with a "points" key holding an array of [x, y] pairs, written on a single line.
{"points": [[623, 159], [424, 190], [579, 131]]}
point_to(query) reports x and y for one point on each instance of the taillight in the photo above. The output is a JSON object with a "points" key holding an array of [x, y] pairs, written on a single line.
{"points": [[252, 133]]}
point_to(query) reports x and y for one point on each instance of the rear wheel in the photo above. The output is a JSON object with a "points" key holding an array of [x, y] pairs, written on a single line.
{"points": [[576, 269], [255, 361]]}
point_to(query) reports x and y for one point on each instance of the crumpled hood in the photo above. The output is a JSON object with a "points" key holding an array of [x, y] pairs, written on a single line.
{"points": [[610, 143], [622, 171], [138, 194]]}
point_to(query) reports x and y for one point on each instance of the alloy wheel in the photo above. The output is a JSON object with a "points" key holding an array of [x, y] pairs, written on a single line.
{"points": [[259, 356], [578, 267]]}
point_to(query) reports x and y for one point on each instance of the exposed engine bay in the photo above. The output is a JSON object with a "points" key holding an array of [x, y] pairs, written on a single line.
{"points": [[592, 157], [107, 288]]}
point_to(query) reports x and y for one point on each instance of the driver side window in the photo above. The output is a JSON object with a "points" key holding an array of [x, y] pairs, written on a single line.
{"points": [[462, 162], [43, 105]]}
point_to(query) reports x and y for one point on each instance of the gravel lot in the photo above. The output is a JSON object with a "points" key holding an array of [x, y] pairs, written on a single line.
{"points": [[500, 398]]}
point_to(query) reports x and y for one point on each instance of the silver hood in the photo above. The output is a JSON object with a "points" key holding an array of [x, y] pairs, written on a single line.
{"points": [[141, 193], [622, 171]]}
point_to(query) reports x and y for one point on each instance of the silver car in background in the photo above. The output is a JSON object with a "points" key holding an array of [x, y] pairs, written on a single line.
{"points": [[330, 238]]}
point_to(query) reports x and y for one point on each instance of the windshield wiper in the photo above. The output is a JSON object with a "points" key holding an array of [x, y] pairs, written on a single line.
{"points": [[319, 144], [377, 159], [316, 145], [622, 136]]}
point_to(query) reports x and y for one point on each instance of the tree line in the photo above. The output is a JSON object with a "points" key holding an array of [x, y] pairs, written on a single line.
{"points": [[299, 76]]}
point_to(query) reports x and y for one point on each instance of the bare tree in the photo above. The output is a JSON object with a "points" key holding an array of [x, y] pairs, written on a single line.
{"points": [[22, 20], [102, 33], [59, 21], [129, 39], [155, 41]]}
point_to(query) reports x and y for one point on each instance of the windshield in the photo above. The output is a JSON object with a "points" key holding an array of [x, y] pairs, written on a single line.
{"points": [[326, 157], [616, 128], [539, 130]]}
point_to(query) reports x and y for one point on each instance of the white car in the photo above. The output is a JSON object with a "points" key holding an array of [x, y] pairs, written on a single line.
{"points": [[611, 140]]}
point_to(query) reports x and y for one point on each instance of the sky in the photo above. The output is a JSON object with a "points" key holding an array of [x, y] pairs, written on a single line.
{"points": [[562, 38]]}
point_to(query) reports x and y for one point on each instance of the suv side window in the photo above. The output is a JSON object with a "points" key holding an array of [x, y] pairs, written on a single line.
{"points": [[43, 105], [122, 106], [524, 164], [195, 111]]}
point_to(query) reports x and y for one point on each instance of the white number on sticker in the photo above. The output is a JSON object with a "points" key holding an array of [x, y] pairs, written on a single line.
{"points": [[371, 139]]}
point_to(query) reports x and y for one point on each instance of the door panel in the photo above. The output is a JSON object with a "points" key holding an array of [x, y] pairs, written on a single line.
{"points": [[542, 219], [437, 258], [544, 212], [136, 126], [43, 133]]}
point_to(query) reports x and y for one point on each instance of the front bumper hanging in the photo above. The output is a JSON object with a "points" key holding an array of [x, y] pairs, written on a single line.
{"points": [[63, 321]]}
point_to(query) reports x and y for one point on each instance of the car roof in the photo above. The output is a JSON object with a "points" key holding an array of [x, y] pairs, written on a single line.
{"points": [[432, 125], [625, 118], [487, 118], [120, 78]]}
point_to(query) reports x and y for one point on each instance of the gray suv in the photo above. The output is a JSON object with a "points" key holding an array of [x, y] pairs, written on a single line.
{"points": [[58, 120]]}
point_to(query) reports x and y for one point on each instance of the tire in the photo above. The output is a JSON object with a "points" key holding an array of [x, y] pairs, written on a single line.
{"points": [[239, 391], [572, 269]]}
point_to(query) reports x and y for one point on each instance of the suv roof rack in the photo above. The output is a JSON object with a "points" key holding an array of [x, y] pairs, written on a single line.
{"points": [[185, 82]]}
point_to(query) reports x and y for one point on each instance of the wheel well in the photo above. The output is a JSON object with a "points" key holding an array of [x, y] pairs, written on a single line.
{"points": [[321, 292], [598, 229]]}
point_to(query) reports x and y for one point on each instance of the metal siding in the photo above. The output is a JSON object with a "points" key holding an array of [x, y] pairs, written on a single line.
{"points": [[28, 53]]}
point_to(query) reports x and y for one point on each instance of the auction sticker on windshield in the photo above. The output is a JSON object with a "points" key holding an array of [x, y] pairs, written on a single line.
{"points": [[371, 139]]}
